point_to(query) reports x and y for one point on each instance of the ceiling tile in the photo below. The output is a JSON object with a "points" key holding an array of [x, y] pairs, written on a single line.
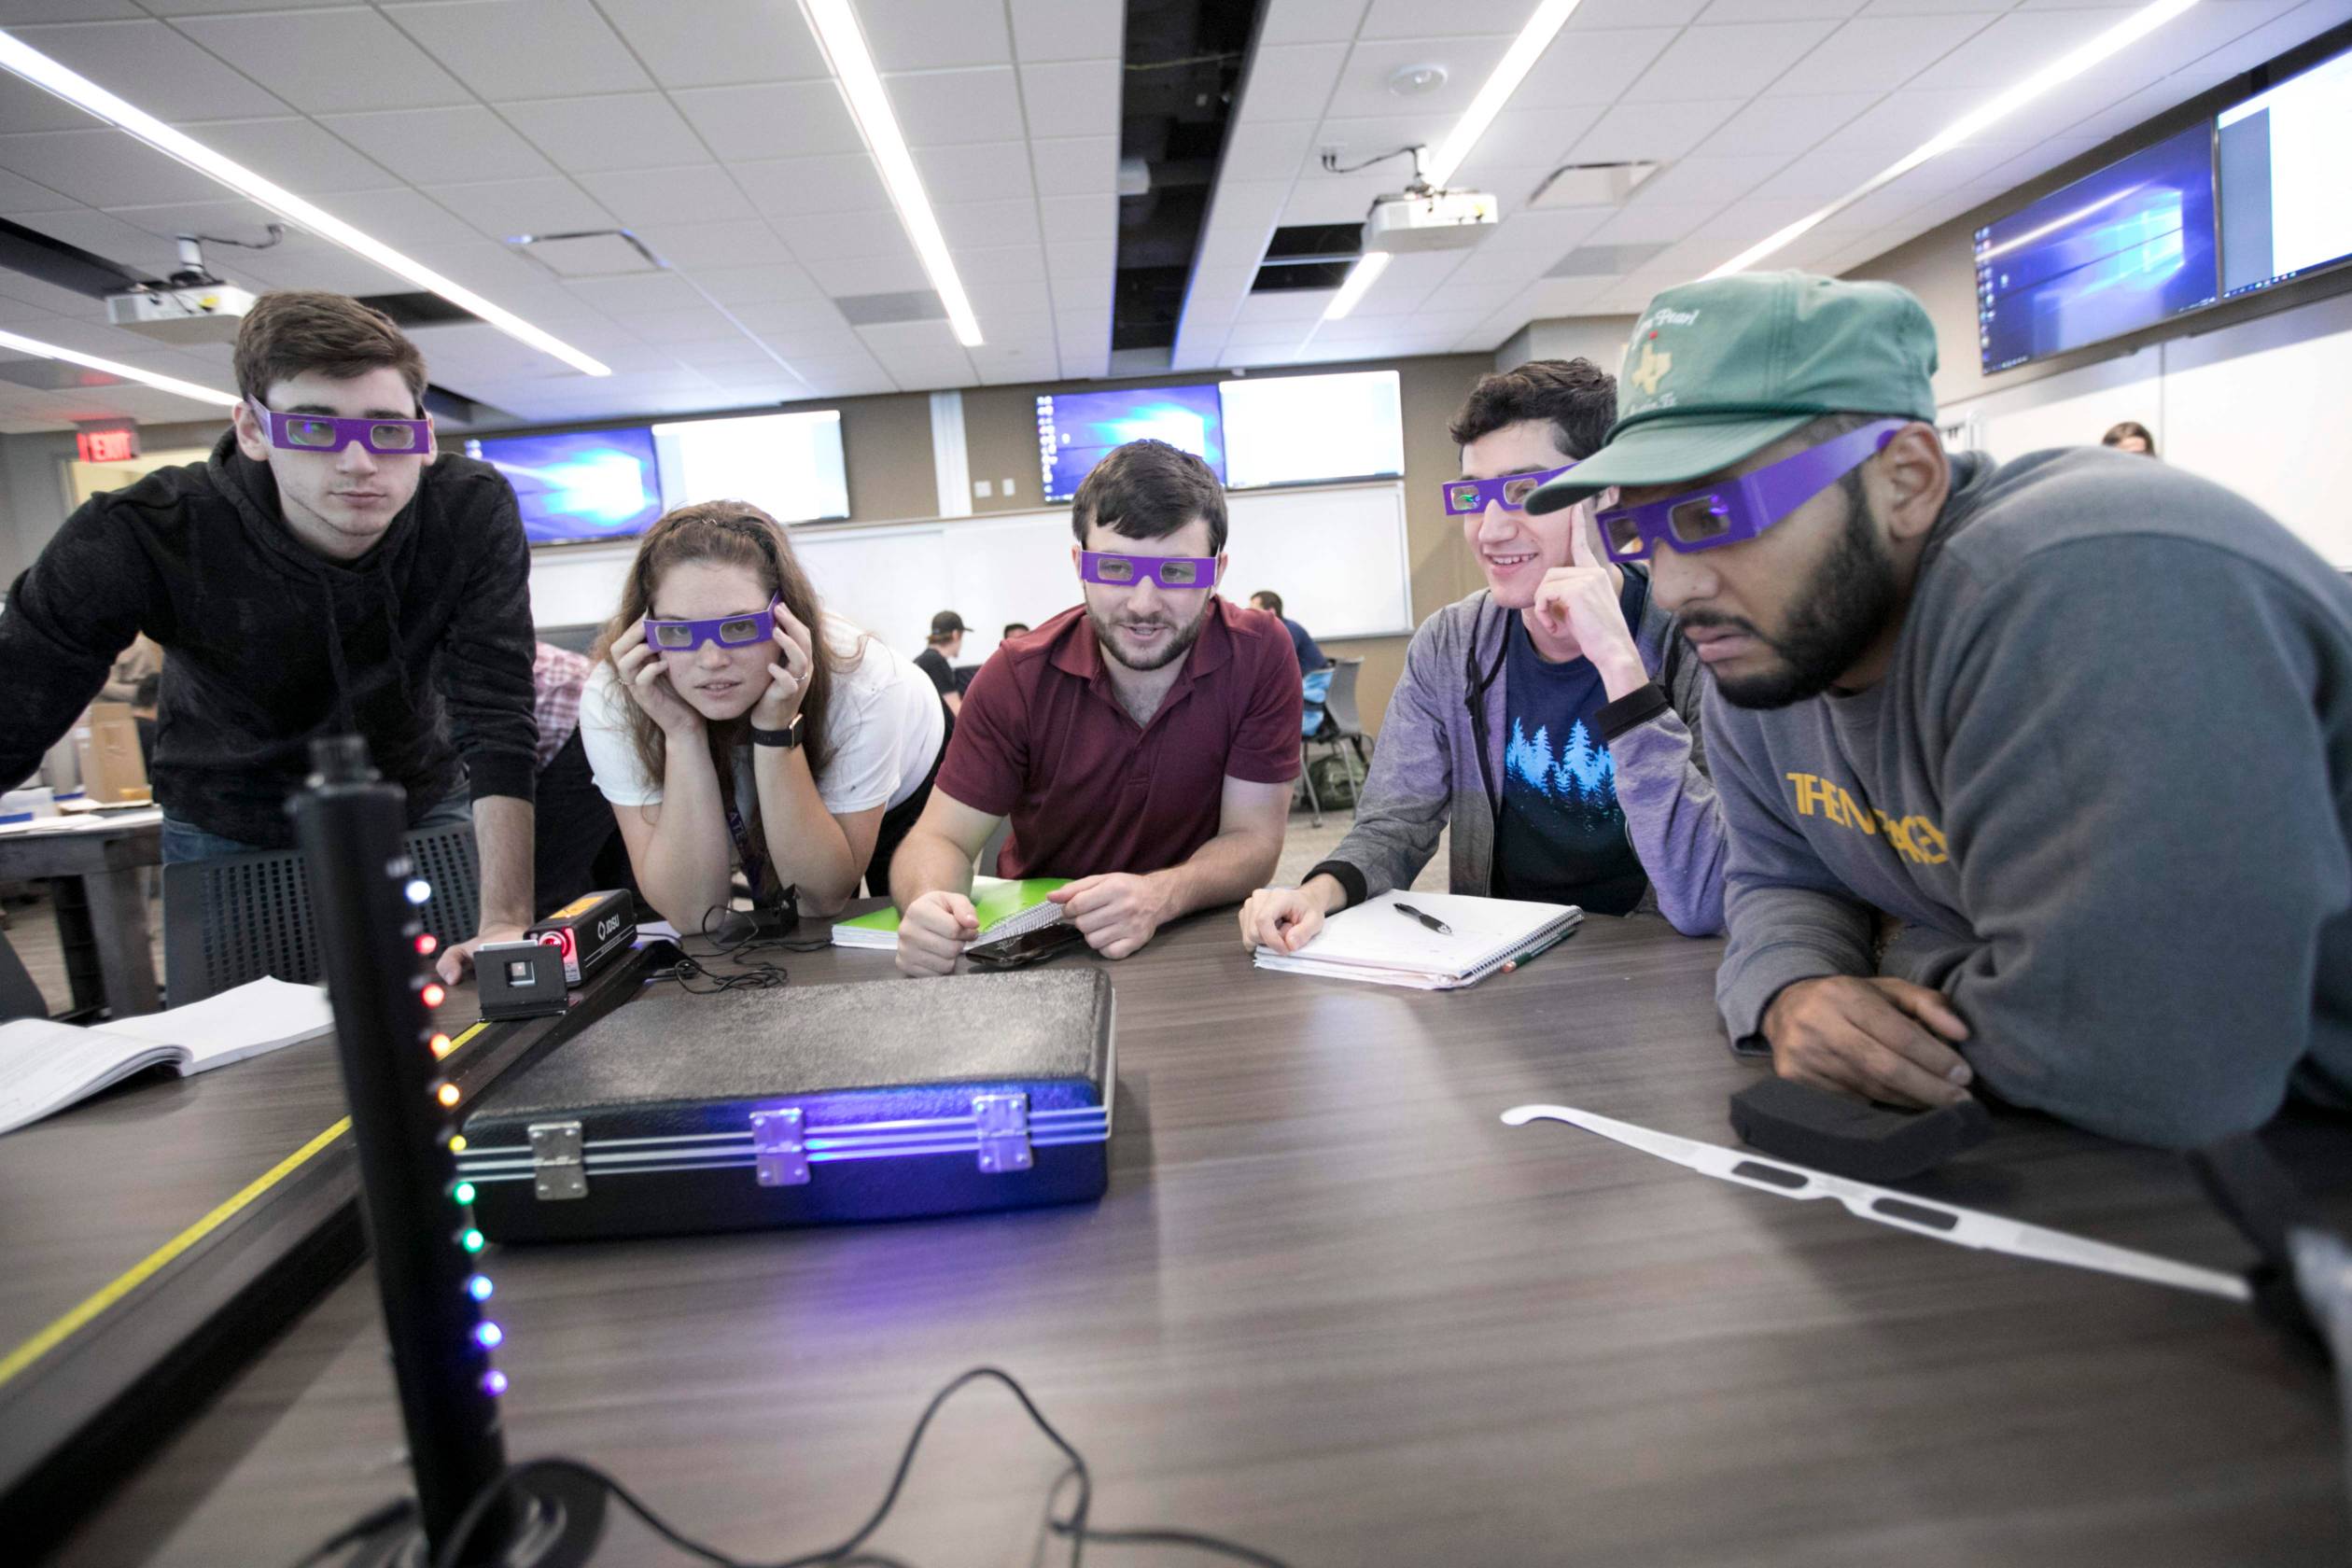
{"points": [[1639, 225], [975, 171], [1655, 132], [401, 218], [26, 107], [300, 154], [1364, 89], [1991, 58], [1068, 30], [1011, 297], [798, 186], [623, 297], [774, 119], [1590, 67], [20, 195], [330, 62], [929, 34], [613, 131], [1295, 21], [1076, 166], [147, 254], [1266, 149], [1733, 61], [1291, 82], [1524, 141], [523, 49], [995, 263], [101, 166], [869, 274], [844, 236], [988, 223], [696, 193], [737, 242], [503, 209], [1070, 98], [1697, 180], [1884, 51], [15, 12], [940, 108], [1789, 125], [1720, 11], [713, 43], [426, 147], [1417, 19], [745, 288], [155, 68]]}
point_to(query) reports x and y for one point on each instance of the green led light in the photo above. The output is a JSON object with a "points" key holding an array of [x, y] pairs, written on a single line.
{"points": [[471, 1240], [462, 1192]]}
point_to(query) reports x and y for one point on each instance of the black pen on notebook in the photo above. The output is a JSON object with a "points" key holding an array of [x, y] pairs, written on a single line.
{"points": [[1430, 920]]}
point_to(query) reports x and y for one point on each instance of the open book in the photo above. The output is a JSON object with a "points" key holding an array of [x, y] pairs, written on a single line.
{"points": [[47, 1066], [1378, 941], [1005, 908]]}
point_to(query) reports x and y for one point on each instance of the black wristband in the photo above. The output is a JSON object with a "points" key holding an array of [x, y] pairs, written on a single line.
{"points": [[1638, 706], [789, 738], [1351, 880]]}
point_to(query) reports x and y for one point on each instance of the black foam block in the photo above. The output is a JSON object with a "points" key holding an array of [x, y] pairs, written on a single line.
{"points": [[1850, 1137]]}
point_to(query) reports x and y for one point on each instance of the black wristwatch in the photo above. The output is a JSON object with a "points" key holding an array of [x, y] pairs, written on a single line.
{"points": [[789, 738]]}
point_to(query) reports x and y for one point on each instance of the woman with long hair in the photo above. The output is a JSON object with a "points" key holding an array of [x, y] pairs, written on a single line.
{"points": [[732, 723]]}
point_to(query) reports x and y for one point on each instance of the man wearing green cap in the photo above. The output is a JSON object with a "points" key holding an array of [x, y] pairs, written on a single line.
{"points": [[2005, 705]]}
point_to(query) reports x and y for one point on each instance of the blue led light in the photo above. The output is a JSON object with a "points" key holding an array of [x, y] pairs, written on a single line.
{"points": [[479, 1287], [489, 1334]]}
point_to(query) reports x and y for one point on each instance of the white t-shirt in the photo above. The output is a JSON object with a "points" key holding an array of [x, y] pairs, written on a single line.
{"points": [[884, 729]]}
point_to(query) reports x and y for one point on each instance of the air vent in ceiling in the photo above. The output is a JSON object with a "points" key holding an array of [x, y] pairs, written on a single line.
{"points": [[590, 253], [1309, 256], [882, 310], [1591, 184], [1603, 260]]}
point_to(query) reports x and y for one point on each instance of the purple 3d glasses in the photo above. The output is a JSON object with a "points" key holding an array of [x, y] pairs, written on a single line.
{"points": [[319, 432], [728, 631], [1466, 498], [1743, 508], [1180, 572]]}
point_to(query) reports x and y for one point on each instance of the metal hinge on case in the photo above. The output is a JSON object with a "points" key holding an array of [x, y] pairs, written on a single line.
{"points": [[780, 1158], [1002, 1123], [557, 1170]]}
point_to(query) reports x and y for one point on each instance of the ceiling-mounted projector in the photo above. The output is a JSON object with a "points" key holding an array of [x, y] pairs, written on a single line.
{"points": [[191, 306], [1425, 220]]}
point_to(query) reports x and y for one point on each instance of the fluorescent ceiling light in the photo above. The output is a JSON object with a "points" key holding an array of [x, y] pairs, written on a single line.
{"points": [[92, 361], [83, 94], [835, 24], [1520, 59], [2058, 72], [1529, 47]]}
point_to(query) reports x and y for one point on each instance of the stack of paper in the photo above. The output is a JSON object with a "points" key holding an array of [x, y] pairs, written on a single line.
{"points": [[1380, 942], [1005, 908], [46, 1066]]}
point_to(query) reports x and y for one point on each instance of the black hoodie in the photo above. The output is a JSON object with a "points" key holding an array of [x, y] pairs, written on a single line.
{"points": [[424, 645]]}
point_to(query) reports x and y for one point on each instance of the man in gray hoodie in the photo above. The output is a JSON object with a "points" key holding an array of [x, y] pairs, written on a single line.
{"points": [[2082, 724], [1551, 717]]}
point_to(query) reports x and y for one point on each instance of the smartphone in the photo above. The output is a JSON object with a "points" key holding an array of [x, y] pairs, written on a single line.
{"points": [[1030, 946]]}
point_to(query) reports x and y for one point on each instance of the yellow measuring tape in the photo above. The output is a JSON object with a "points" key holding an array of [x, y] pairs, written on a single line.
{"points": [[139, 1273]]}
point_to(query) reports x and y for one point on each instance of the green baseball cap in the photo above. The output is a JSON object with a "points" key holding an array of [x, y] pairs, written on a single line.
{"points": [[1720, 369]]}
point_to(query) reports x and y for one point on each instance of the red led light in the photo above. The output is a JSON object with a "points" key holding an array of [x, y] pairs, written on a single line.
{"points": [[433, 994], [427, 943]]}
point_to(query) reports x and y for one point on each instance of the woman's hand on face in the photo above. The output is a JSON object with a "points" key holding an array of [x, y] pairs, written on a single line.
{"points": [[789, 676], [642, 676]]}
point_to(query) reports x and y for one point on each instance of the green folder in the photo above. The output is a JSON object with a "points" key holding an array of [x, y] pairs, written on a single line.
{"points": [[1014, 906]]}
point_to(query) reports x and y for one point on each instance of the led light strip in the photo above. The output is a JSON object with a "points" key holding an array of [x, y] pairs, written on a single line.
{"points": [[91, 362], [83, 94], [1527, 47], [835, 24], [2058, 72]]}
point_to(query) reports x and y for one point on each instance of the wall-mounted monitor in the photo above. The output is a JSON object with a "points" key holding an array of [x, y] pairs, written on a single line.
{"points": [[581, 487], [2284, 163], [2114, 252], [1074, 429], [1309, 429], [787, 464]]}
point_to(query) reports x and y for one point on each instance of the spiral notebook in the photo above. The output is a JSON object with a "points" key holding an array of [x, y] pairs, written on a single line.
{"points": [[1379, 941]]}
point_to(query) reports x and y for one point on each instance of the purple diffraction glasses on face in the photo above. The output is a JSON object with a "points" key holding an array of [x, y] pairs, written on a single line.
{"points": [[1466, 497], [1741, 509], [320, 432], [1182, 572], [728, 631]]}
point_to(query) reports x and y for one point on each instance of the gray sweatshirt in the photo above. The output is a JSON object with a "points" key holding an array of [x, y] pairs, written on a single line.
{"points": [[2105, 785], [1425, 770]]}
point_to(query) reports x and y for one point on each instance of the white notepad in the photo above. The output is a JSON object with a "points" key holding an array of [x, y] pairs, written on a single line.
{"points": [[1377, 942], [47, 1066]]}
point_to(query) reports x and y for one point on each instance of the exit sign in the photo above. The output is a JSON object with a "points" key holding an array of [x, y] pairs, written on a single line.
{"points": [[117, 445]]}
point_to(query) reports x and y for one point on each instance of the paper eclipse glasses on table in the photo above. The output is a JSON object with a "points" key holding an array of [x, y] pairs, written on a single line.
{"points": [[321, 432], [727, 631], [1739, 508]]}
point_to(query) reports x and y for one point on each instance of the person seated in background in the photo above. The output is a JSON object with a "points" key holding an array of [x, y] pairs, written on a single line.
{"points": [[1311, 657], [577, 846], [1983, 699], [937, 658], [734, 724], [322, 571], [2130, 436], [1552, 718], [1014, 629], [1144, 743]]}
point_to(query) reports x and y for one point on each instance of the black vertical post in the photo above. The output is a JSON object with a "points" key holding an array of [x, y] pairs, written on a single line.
{"points": [[350, 824]]}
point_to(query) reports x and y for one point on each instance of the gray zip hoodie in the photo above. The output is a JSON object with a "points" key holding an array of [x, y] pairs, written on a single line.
{"points": [[1425, 771], [2107, 785]]}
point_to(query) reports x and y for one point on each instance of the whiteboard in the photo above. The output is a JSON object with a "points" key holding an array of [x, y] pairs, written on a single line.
{"points": [[1337, 553]]}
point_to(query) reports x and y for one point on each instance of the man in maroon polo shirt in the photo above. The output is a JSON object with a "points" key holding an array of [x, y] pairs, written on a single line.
{"points": [[1144, 743]]}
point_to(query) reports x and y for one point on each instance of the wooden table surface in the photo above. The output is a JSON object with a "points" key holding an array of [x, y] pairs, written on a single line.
{"points": [[1332, 1307]]}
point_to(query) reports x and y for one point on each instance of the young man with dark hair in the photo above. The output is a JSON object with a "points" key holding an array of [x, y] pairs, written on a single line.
{"points": [[320, 572], [1552, 718], [1309, 656], [937, 659], [1144, 743], [1988, 701], [1014, 629]]}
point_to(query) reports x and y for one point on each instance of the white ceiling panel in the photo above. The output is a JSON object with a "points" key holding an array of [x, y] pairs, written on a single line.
{"points": [[929, 34], [1591, 67], [1266, 149], [983, 224], [996, 263], [300, 154], [1991, 57], [1889, 50], [1289, 80], [697, 194], [1310, 21], [867, 274], [503, 209], [616, 131], [846, 237], [983, 171], [522, 49], [157, 69], [428, 146], [1076, 166], [330, 62], [1720, 11], [1456, 19], [1791, 125], [1067, 29], [812, 186], [402, 216], [740, 243], [1650, 131], [772, 119], [1698, 180], [940, 108], [18, 194], [717, 43], [1737, 61], [1364, 92], [26, 107], [101, 167], [782, 288], [1072, 98]]}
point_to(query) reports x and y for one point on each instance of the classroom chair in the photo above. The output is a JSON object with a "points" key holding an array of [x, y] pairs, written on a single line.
{"points": [[20, 997], [237, 917], [1340, 728]]}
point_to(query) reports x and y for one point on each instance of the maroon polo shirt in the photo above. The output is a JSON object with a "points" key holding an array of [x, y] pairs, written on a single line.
{"points": [[1042, 739]]}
